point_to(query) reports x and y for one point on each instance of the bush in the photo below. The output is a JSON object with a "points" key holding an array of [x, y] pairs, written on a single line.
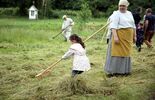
{"points": [[110, 10], [9, 11], [97, 14], [85, 13], [54, 14], [60, 13]]}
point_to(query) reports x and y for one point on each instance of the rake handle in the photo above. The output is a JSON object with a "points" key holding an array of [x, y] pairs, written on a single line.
{"points": [[61, 32], [58, 34], [105, 31], [96, 32], [44, 71]]}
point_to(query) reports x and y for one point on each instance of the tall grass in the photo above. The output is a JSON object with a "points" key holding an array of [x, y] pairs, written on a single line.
{"points": [[27, 47]]}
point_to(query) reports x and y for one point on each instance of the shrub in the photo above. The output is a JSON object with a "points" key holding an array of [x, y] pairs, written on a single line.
{"points": [[110, 10], [98, 14], [60, 13], [85, 13], [9, 11]]}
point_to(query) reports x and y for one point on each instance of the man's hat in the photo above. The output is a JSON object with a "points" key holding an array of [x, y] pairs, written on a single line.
{"points": [[64, 16]]}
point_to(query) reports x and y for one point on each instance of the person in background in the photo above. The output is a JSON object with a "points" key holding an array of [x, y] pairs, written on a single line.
{"points": [[149, 27], [140, 36], [118, 60], [136, 16], [77, 49], [67, 27]]}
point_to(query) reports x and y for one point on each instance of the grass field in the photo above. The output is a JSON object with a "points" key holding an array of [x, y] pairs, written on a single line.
{"points": [[27, 47]]}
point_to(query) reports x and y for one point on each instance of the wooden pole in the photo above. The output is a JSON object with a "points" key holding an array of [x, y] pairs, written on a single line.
{"points": [[96, 32], [44, 72], [60, 32], [105, 32]]}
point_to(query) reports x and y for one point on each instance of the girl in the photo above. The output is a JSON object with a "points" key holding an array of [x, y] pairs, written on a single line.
{"points": [[77, 49], [140, 36]]}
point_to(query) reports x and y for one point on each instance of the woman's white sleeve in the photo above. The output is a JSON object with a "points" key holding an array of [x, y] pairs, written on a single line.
{"points": [[69, 53], [114, 20]]}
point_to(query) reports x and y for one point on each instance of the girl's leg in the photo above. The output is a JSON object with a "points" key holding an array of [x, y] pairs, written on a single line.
{"points": [[76, 72]]}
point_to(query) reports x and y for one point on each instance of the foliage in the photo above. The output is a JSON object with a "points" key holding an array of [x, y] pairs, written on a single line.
{"points": [[9, 11], [110, 10], [98, 8], [66, 4], [85, 12], [60, 13]]}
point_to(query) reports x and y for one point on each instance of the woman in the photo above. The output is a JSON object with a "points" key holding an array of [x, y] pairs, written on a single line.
{"points": [[123, 29]]}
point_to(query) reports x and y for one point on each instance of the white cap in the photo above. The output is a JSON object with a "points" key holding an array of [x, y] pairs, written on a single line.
{"points": [[124, 2], [64, 16]]}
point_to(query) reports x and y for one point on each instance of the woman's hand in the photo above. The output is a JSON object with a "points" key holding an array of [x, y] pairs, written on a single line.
{"points": [[116, 39]]}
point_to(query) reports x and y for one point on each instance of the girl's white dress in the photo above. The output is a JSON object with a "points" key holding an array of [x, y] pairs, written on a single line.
{"points": [[81, 61]]}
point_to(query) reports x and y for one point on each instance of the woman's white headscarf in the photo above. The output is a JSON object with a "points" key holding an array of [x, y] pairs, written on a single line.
{"points": [[123, 2]]}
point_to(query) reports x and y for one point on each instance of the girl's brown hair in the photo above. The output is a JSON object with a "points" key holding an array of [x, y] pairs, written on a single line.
{"points": [[77, 39]]}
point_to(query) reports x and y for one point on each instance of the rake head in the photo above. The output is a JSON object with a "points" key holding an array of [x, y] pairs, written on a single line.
{"points": [[42, 74]]}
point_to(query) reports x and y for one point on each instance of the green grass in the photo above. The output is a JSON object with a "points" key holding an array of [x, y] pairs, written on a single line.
{"points": [[27, 47]]}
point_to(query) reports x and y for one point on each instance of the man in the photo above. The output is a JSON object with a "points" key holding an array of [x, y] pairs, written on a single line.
{"points": [[67, 27], [149, 27]]}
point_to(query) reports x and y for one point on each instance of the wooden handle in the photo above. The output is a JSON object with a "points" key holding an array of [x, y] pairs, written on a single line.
{"points": [[47, 69], [96, 32], [57, 34], [60, 32], [104, 34]]}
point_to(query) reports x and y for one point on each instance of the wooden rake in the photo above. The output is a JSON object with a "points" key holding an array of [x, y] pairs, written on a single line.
{"points": [[97, 32], [47, 70], [60, 32]]}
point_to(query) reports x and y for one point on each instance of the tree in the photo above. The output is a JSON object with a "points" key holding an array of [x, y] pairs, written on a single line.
{"points": [[85, 12]]}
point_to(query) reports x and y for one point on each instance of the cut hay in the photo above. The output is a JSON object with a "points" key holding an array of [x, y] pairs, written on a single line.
{"points": [[80, 86]]}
